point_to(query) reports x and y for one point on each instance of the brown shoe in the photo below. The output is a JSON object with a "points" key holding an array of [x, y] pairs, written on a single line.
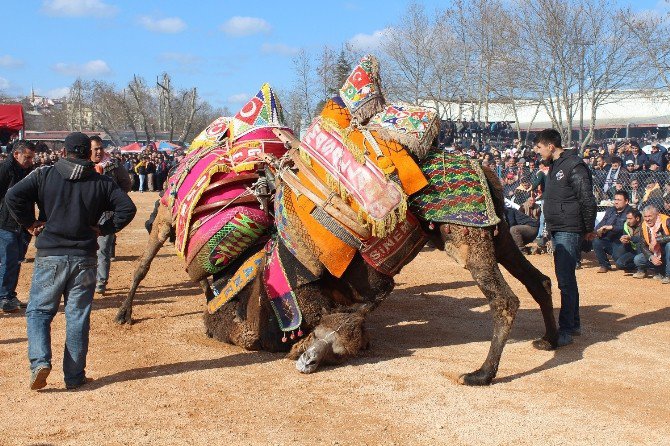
{"points": [[602, 269], [38, 377]]}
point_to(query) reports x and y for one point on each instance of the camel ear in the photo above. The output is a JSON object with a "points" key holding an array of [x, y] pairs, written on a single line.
{"points": [[300, 347]]}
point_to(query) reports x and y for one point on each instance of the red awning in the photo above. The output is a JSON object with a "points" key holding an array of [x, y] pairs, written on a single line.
{"points": [[132, 148], [11, 116]]}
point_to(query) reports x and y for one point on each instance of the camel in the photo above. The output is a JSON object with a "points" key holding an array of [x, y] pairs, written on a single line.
{"points": [[334, 309]]}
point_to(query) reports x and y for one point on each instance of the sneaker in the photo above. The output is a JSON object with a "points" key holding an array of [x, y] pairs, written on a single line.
{"points": [[602, 269], [666, 280], [100, 288], [79, 384], [576, 332], [17, 302], [9, 306], [38, 377], [639, 275], [564, 339], [658, 277]]}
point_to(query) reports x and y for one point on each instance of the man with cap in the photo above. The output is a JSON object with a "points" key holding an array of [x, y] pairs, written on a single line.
{"points": [[71, 197], [657, 156]]}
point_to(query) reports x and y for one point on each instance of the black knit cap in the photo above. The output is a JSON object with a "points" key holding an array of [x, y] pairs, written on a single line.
{"points": [[78, 143]]}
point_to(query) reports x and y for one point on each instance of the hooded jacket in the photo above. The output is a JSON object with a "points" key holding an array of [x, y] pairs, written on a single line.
{"points": [[71, 197]]}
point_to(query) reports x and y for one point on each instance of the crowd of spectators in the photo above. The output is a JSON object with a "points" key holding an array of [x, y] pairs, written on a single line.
{"points": [[148, 170]]}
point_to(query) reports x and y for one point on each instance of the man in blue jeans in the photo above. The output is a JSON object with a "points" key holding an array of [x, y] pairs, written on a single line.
{"points": [[570, 214], [71, 197], [610, 230], [12, 237]]}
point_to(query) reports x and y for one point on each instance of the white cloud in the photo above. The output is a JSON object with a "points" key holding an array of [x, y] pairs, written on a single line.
{"points": [[93, 68], [239, 98], [57, 93], [78, 8], [368, 42], [279, 48], [8, 61], [245, 26], [4, 84], [167, 25]]}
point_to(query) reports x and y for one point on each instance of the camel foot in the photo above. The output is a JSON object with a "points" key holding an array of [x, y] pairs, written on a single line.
{"points": [[124, 316], [476, 378], [545, 344], [308, 362]]}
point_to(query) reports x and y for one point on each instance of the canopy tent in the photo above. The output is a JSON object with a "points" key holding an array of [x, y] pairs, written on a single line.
{"points": [[11, 117], [132, 148], [166, 146]]}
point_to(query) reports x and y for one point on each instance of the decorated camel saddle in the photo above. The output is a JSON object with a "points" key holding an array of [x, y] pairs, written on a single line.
{"points": [[361, 178], [216, 193]]}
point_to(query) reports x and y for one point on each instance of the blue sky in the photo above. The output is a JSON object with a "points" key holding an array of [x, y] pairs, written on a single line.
{"points": [[225, 48]]}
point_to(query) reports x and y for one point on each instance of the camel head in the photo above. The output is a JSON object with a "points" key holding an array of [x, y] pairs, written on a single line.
{"points": [[339, 336]]}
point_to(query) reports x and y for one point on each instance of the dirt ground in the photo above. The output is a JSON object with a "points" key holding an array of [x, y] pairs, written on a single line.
{"points": [[163, 382]]}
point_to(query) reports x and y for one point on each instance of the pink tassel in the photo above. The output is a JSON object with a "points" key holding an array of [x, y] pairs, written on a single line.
{"points": [[292, 335], [284, 339], [300, 333], [431, 226]]}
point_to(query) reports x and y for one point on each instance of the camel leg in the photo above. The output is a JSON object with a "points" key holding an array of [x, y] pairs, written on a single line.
{"points": [[159, 234], [475, 250], [537, 284]]}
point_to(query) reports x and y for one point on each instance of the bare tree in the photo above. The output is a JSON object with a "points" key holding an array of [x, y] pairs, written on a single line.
{"points": [[303, 95], [143, 104]]}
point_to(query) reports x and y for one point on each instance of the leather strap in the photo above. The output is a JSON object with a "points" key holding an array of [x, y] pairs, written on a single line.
{"points": [[247, 199]]}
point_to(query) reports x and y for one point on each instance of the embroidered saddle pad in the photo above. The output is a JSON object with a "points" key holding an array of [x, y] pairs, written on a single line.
{"points": [[457, 192], [413, 126], [361, 91]]}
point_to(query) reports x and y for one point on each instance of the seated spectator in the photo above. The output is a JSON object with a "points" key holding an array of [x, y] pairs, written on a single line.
{"points": [[523, 191], [653, 194], [654, 246], [612, 173], [638, 157], [610, 230], [635, 192], [656, 156], [524, 223], [631, 239]]}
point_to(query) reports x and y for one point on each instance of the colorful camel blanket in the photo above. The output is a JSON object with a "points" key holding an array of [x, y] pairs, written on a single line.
{"points": [[389, 254], [457, 192], [244, 275], [215, 134], [263, 110], [413, 126], [361, 91], [382, 202]]}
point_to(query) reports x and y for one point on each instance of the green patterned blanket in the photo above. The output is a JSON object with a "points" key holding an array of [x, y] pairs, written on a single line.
{"points": [[457, 192]]}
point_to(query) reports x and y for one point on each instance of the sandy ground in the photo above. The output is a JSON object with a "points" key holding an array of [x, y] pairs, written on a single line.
{"points": [[163, 382]]}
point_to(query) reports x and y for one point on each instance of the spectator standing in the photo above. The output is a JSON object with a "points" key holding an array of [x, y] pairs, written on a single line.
{"points": [[612, 173], [637, 156], [655, 246], [141, 170], [610, 230], [71, 198], [657, 156], [12, 237], [570, 212], [111, 167], [151, 174]]}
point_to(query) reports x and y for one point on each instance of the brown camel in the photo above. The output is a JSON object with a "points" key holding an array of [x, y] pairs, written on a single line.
{"points": [[334, 309]]}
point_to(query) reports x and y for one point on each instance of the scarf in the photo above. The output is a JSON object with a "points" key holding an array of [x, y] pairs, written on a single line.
{"points": [[611, 178], [655, 247]]}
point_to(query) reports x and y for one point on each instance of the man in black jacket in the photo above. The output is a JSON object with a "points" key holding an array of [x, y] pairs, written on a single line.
{"points": [[71, 197], [570, 213], [12, 245]]}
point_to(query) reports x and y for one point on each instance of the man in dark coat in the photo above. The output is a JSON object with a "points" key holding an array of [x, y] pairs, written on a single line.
{"points": [[12, 237], [71, 197], [570, 213]]}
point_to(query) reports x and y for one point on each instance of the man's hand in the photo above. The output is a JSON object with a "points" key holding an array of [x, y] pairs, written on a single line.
{"points": [[36, 228], [656, 260], [591, 236], [625, 239]]}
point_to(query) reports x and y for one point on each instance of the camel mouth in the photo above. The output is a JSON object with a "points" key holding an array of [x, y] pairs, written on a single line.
{"points": [[308, 362]]}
